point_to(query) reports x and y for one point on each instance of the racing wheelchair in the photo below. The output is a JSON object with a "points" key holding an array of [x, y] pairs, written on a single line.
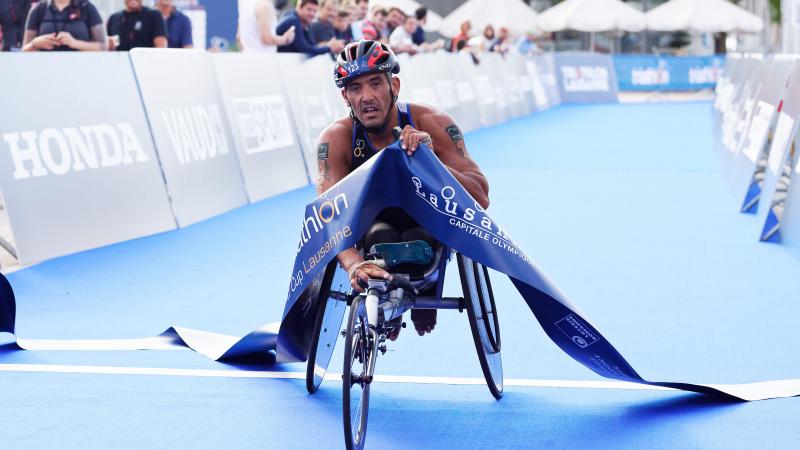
{"points": [[416, 266]]}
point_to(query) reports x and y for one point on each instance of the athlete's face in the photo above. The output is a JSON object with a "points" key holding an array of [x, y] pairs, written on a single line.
{"points": [[371, 98]]}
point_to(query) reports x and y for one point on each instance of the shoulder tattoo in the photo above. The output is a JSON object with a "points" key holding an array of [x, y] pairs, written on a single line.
{"points": [[457, 137], [322, 151]]}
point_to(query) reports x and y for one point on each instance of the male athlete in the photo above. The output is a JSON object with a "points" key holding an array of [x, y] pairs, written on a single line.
{"points": [[365, 72]]}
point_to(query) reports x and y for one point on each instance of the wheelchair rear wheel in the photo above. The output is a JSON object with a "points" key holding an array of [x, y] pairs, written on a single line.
{"points": [[355, 376], [329, 317], [483, 320]]}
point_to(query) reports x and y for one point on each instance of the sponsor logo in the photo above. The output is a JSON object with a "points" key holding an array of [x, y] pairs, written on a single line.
{"points": [[577, 331], [703, 74], [585, 78], [196, 132], [58, 151], [470, 219], [322, 213], [651, 76], [263, 123]]}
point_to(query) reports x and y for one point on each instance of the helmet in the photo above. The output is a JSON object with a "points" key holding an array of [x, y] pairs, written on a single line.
{"points": [[361, 58]]}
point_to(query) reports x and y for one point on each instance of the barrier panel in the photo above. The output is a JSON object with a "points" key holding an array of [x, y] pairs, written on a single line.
{"points": [[586, 78], [77, 164], [471, 118], [667, 73], [192, 137], [748, 163], [780, 160], [737, 120], [314, 99], [481, 83], [261, 123], [546, 63], [525, 83]]}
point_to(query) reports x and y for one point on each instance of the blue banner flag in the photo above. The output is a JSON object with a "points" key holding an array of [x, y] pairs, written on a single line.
{"points": [[427, 191]]}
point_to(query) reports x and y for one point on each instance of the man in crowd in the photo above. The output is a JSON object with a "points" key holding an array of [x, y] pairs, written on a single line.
{"points": [[136, 26], [401, 38], [322, 30], [395, 19], [12, 23], [362, 7], [300, 18], [256, 32], [179, 27], [527, 44], [341, 25], [373, 26], [422, 19]]}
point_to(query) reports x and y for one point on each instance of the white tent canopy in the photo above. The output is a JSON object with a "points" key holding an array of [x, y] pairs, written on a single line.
{"points": [[592, 16], [408, 7], [705, 16], [515, 15]]}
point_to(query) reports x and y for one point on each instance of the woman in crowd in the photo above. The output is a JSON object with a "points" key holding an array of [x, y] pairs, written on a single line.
{"points": [[64, 25], [462, 36]]}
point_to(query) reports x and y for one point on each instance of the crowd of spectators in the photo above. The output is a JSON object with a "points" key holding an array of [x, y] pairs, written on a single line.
{"points": [[76, 25], [312, 27]]}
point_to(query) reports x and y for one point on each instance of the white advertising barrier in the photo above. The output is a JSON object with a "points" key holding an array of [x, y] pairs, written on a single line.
{"points": [[540, 92], [437, 74], [482, 86], [315, 101], [586, 78], [790, 220], [261, 123], [777, 175], [467, 97], [737, 120], [187, 118], [416, 83], [77, 164], [546, 63], [518, 68], [506, 84], [747, 168], [730, 109], [727, 84]]}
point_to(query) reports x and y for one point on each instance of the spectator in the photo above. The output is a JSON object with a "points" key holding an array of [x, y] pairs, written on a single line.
{"points": [[300, 18], [422, 19], [321, 30], [12, 23], [257, 23], [136, 26], [64, 25], [527, 45], [463, 35], [400, 40], [500, 45], [362, 6], [373, 26], [341, 25], [396, 18], [179, 27], [484, 41]]}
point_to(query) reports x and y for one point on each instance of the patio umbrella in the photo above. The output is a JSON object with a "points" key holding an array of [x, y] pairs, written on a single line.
{"points": [[515, 15], [592, 16], [705, 16]]}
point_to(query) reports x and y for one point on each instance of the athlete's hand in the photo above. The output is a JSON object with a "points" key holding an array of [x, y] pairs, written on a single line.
{"points": [[410, 139], [361, 276]]}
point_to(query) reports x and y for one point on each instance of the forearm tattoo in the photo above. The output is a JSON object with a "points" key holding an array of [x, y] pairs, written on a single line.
{"points": [[99, 35], [322, 164], [458, 138]]}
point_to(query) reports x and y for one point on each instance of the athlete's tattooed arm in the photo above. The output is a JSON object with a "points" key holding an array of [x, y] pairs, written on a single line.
{"points": [[323, 166], [451, 150], [457, 137]]}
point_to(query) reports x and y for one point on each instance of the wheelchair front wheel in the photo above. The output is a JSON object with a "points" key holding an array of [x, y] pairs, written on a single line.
{"points": [[483, 322], [355, 376], [329, 317]]}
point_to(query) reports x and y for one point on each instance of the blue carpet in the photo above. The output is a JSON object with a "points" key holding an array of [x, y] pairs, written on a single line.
{"points": [[620, 204]]}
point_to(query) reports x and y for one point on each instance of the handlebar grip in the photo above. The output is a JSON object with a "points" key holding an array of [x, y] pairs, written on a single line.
{"points": [[396, 131]]}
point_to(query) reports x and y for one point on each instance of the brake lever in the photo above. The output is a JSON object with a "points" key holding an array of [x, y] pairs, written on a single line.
{"points": [[402, 281]]}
